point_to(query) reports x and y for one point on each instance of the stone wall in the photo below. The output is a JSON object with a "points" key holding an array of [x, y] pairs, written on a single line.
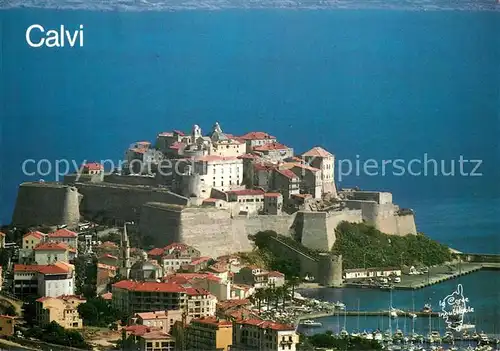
{"points": [[122, 202], [385, 218], [318, 228], [40, 203]]}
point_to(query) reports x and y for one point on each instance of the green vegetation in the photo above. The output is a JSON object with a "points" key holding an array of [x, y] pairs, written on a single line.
{"points": [[55, 334], [98, 312], [86, 276], [328, 340], [262, 256], [363, 245]]}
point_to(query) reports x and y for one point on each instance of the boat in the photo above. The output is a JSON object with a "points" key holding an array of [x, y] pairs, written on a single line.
{"points": [[448, 337], [412, 315], [483, 337], [367, 335], [427, 308], [434, 336], [310, 323], [339, 305], [378, 336], [344, 333], [393, 313], [398, 334]]}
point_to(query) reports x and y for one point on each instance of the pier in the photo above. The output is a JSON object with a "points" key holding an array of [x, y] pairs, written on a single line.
{"points": [[436, 275], [382, 313]]}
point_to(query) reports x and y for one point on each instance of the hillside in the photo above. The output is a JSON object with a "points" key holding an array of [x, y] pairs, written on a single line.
{"points": [[363, 245]]}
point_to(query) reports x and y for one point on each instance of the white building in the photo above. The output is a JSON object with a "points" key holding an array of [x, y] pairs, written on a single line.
{"points": [[44, 280], [256, 334], [64, 236], [56, 280], [361, 273], [215, 172], [50, 252], [321, 159], [254, 139]]}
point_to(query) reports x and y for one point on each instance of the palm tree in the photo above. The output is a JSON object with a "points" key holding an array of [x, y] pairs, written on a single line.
{"points": [[293, 282], [284, 290], [259, 295]]}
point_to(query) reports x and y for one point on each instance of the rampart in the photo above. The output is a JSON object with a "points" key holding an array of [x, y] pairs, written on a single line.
{"points": [[41, 203], [122, 202]]}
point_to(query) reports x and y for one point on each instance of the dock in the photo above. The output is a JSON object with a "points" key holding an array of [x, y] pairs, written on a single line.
{"points": [[436, 275], [367, 313]]}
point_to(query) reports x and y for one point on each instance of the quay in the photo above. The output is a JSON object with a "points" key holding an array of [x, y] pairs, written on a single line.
{"points": [[436, 275], [366, 313]]}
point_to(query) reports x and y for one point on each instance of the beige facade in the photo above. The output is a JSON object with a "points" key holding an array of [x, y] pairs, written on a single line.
{"points": [[254, 334], [321, 159], [32, 239], [50, 252], [164, 320], [62, 309], [209, 334], [156, 341]]}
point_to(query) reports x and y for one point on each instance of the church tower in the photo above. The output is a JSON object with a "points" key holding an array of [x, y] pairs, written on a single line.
{"points": [[125, 245]]}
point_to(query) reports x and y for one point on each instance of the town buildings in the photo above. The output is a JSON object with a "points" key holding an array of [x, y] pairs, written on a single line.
{"points": [[61, 309], [133, 297], [376, 272], [7, 325], [209, 334], [50, 252], [259, 278], [255, 334], [163, 320], [156, 341], [44, 280]]}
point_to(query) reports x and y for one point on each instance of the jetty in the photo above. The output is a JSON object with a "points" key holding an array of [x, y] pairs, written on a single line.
{"points": [[381, 313]]}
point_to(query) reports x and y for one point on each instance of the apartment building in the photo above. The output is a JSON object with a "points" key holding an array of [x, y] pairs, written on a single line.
{"points": [[255, 334], [62, 309], [209, 334]]}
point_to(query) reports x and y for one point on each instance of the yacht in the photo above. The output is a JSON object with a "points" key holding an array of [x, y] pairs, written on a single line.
{"points": [[339, 305], [378, 336], [393, 313], [367, 335], [344, 333], [412, 315], [448, 337], [434, 336], [310, 323], [483, 337], [427, 308], [398, 334]]}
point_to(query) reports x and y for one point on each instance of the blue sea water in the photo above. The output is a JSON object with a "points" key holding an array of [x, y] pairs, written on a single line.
{"points": [[381, 84]]}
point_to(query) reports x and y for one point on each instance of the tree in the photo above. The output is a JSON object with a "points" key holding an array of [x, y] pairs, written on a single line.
{"points": [[293, 282]]}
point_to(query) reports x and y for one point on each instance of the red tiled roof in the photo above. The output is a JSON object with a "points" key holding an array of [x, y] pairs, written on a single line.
{"points": [[213, 321], [317, 152], [138, 150], [93, 166], [248, 156], [52, 269], [275, 274], [45, 269], [272, 195], [287, 173], [192, 291], [156, 252], [108, 256], [51, 246], [199, 260], [246, 192], [224, 305], [138, 329], [63, 233], [214, 158], [307, 167], [156, 335], [257, 136], [107, 296], [25, 268], [108, 244], [176, 145], [36, 234], [176, 246], [270, 146], [181, 133], [149, 286], [219, 268], [266, 324], [264, 166], [210, 200], [106, 267], [153, 315]]}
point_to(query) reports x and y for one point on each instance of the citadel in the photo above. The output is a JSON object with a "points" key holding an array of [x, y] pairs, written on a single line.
{"points": [[223, 189]]}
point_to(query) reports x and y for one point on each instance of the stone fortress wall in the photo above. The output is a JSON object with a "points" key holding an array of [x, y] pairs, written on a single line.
{"points": [[166, 217], [49, 204]]}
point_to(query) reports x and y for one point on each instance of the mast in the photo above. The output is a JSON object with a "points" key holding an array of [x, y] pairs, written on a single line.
{"points": [[358, 317], [412, 318]]}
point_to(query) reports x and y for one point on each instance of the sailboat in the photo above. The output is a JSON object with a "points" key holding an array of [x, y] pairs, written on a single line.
{"points": [[343, 332], [357, 325]]}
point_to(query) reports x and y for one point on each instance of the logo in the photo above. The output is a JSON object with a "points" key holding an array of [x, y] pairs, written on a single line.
{"points": [[453, 309]]}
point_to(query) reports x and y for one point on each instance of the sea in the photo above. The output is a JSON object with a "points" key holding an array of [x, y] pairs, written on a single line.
{"points": [[370, 81]]}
